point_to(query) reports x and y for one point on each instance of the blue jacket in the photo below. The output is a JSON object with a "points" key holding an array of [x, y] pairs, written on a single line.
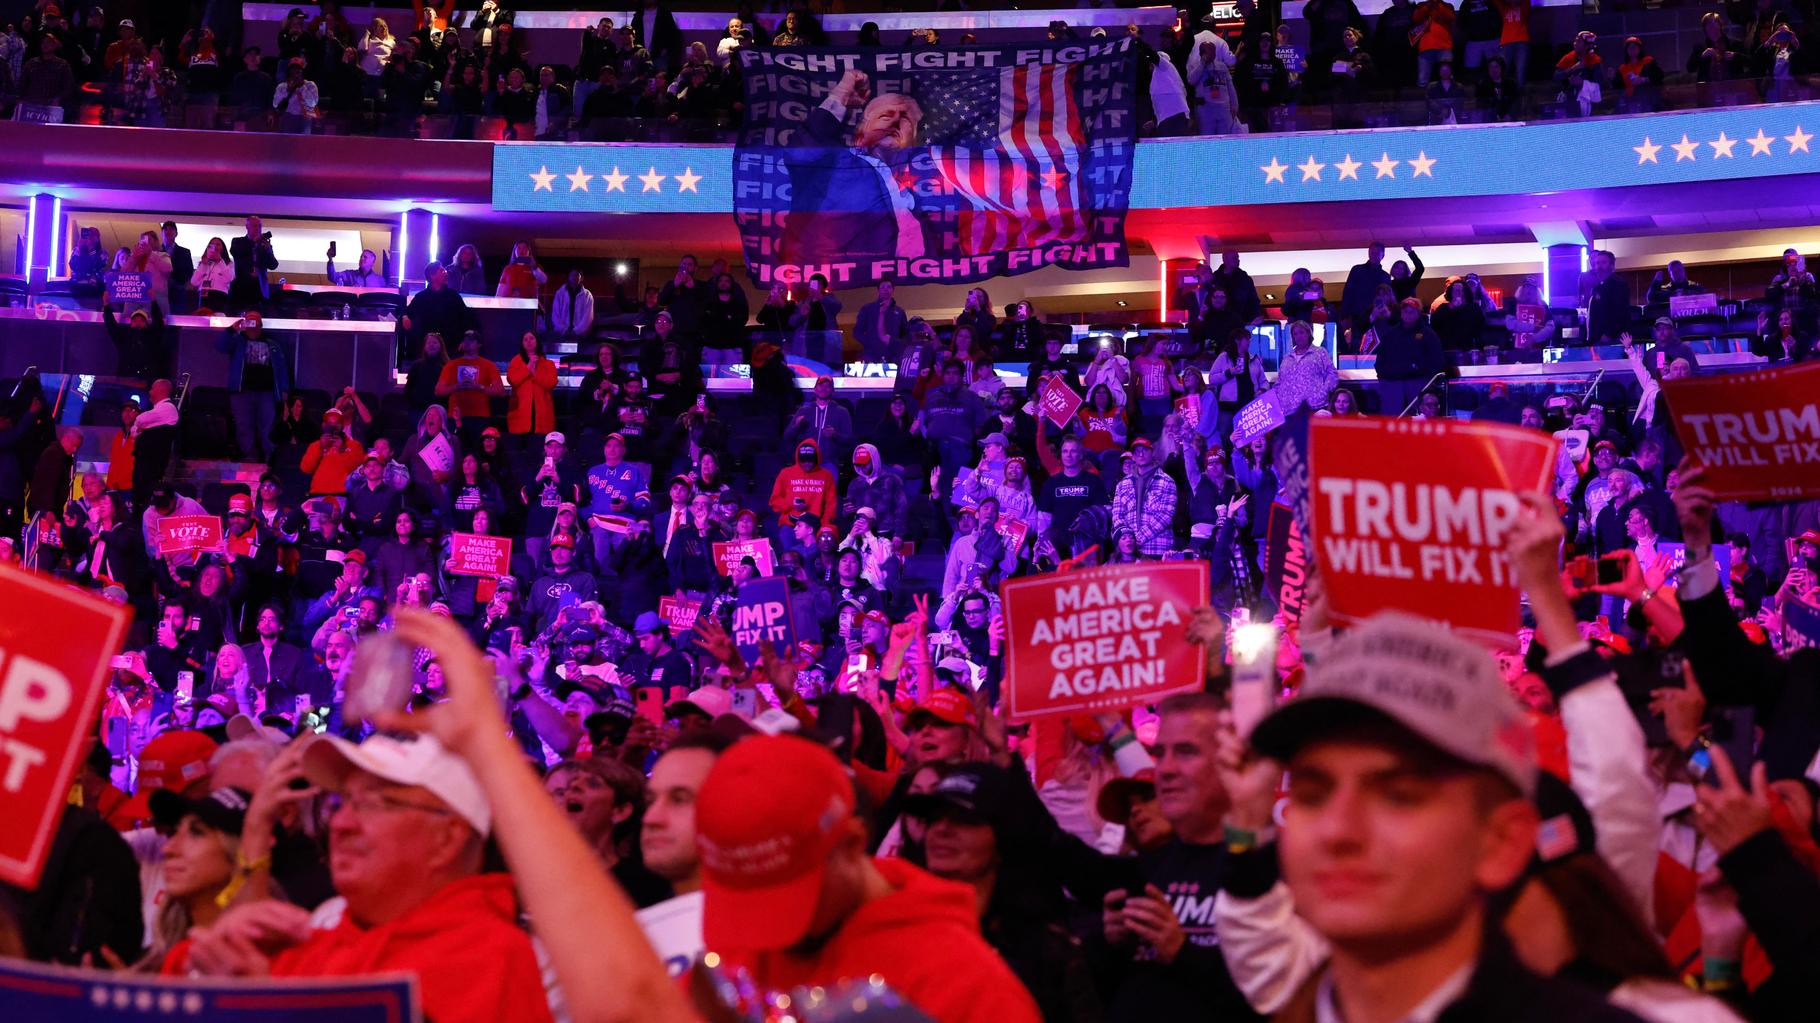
{"points": [[233, 344], [625, 480]]}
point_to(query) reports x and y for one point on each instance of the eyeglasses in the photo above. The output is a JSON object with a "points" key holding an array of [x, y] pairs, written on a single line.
{"points": [[973, 612], [366, 804]]}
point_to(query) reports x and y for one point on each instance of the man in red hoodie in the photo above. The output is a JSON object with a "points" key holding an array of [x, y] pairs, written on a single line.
{"points": [[405, 849], [805, 487], [792, 895]]}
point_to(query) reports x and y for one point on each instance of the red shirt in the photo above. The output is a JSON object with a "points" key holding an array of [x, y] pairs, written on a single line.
{"points": [[923, 938], [473, 962]]}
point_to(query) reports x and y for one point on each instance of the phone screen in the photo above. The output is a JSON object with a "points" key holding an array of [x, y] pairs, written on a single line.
{"points": [[650, 702], [1611, 570]]}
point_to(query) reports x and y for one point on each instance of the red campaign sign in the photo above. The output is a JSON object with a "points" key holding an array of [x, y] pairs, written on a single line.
{"points": [[1758, 433], [481, 555], [1188, 407], [1414, 515], [1102, 638], [728, 553], [55, 644], [189, 534], [1059, 403], [679, 615], [1013, 531]]}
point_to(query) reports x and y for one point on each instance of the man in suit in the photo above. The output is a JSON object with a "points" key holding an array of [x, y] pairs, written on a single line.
{"points": [[273, 666], [183, 266], [850, 199], [253, 258]]}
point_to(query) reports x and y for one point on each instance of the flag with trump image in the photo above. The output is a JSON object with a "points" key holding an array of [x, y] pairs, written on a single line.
{"points": [[935, 164]]}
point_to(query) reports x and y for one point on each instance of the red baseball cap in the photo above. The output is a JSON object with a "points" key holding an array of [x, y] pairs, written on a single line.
{"points": [[173, 762], [764, 846], [240, 503], [949, 706], [1811, 536]]}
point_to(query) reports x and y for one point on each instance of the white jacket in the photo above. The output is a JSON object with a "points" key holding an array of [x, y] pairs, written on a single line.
{"points": [[1271, 952]]}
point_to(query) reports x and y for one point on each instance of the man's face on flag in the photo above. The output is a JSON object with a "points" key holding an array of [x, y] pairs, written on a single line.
{"points": [[890, 120]]}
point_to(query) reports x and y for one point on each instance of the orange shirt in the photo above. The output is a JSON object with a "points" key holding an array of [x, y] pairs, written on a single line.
{"points": [[471, 401], [329, 469], [1516, 22], [1437, 29], [532, 409], [120, 462]]}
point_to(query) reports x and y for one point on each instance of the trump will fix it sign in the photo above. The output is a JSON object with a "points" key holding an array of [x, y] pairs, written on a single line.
{"points": [[55, 643], [1414, 515]]}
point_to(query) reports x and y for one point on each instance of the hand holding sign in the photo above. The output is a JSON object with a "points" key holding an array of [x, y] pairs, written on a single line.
{"points": [[1415, 515], [1757, 433], [55, 646], [1101, 639]]}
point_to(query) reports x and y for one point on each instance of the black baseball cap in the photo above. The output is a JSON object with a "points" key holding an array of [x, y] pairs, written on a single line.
{"points": [[223, 809]]}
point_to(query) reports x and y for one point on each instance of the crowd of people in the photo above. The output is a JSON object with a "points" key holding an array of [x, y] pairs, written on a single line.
{"points": [[186, 67], [329, 747]]}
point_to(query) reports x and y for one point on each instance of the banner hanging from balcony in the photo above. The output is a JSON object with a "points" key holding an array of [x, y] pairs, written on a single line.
{"points": [[934, 164]]}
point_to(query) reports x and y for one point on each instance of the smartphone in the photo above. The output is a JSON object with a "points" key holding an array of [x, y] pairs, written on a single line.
{"points": [[745, 702], [701, 403], [118, 728], [331, 250], [650, 703], [1254, 675], [1582, 572], [186, 687], [300, 709], [1611, 570], [120, 662]]}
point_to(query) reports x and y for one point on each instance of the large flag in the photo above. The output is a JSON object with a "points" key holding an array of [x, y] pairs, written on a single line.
{"points": [[936, 164]]}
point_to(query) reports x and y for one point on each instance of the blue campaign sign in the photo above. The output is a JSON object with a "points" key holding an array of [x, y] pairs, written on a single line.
{"points": [[1337, 166], [33, 992], [763, 611], [129, 286]]}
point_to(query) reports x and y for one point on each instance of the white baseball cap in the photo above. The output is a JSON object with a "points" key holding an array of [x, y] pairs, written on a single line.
{"points": [[242, 727], [422, 762]]}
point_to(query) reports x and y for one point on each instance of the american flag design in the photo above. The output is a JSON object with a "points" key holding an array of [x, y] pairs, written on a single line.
{"points": [[1022, 181], [1022, 159]]}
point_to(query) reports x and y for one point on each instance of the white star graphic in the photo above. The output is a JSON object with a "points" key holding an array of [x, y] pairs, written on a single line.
{"points": [[1311, 170], [1760, 143], [542, 180], [1722, 146], [685, 182], [1348, 168], [652, 179], [1423, 165], [616, 182], [1387, 168], [578, 182], [1646, 153], [1685, 150], [1798, 140], [1273, 171]]}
